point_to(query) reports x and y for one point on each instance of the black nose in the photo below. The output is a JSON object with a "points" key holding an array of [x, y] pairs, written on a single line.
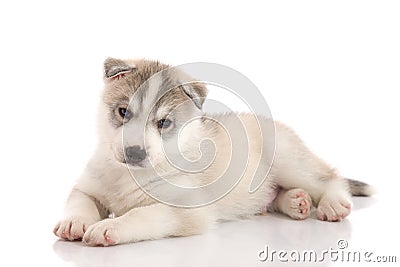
{"points": [[135, 154]]}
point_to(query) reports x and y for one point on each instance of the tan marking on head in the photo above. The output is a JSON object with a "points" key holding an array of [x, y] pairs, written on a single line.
{"points": [[117, 90], [164, 90]]}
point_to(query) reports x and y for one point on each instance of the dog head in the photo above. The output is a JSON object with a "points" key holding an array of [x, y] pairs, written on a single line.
{"points": [[147, 115]]}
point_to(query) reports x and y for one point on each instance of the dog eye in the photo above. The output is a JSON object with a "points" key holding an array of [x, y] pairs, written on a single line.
{"points": [[122, 112], [164, 123]]}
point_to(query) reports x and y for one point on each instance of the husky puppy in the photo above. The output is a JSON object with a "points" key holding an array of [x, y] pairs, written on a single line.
{"points": [[135, 125]]}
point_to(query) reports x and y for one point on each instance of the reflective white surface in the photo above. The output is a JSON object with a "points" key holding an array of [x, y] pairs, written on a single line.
{"points": [[239, 243], [368, 229]]}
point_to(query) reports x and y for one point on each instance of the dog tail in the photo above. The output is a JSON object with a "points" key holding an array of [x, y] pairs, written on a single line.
{"points": [[358, 188]]}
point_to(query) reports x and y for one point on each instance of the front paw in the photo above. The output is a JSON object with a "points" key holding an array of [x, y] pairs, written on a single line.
{"points": [[103, 233], [72, 228]]}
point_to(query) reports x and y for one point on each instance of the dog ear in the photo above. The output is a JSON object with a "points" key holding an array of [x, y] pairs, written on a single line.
{"points": [[196, 92], [116, 68]]}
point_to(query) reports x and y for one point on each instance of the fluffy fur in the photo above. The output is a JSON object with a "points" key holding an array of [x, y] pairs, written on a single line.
{"points": [[297, 179]]}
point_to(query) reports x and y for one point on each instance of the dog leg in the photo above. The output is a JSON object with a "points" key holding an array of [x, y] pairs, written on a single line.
{"points": [[146, 223], [335, 203], [81, 212], [295, 166]]}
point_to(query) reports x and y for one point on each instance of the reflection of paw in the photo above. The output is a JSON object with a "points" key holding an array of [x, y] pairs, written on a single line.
{"points": [[297, 204], [333, 209], [103, 233], [72, 228]]}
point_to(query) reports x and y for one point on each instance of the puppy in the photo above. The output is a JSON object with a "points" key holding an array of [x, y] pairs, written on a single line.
{"points": [[154, 175]]}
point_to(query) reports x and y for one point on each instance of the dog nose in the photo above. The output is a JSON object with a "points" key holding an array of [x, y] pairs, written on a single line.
{"points": [[135, 154]]}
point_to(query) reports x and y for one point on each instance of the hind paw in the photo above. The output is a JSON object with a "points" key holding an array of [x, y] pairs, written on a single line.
{"points": [[296, 203], [333, 208]]}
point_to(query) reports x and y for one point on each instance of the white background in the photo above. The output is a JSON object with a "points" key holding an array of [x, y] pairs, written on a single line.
{"points": [[329, 69]]}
